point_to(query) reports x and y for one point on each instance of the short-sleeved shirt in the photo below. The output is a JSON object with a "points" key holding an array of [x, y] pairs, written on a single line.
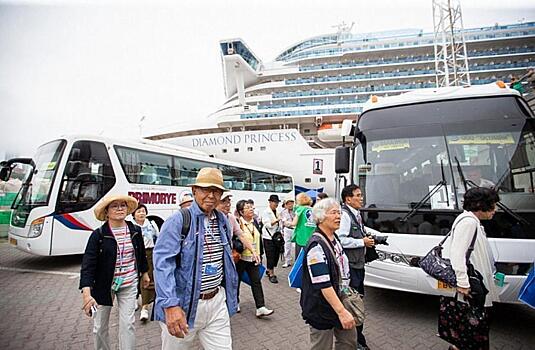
{"points": [[318, 267]]}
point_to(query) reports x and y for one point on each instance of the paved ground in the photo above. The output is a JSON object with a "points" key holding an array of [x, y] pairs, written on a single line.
{"points": [[40, 309]]}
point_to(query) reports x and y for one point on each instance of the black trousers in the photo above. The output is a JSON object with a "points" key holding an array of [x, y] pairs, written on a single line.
{"points": [[272, 253], [256, 285], [357, 282]]}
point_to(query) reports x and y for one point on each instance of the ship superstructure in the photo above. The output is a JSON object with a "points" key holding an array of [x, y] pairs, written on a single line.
{"points": [[313, 85]]}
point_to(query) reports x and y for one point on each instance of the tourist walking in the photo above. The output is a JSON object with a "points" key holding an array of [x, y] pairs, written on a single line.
{"points": [[113, 261], [196, 280], [479, 204], [271, 230], [287, 218], [354, 240], [324, 276], [150, 233], [250, 257], [303, 222]]}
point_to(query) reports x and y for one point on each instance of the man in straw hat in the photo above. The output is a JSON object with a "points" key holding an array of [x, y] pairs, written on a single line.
{"points": [[114, 259], [196, 280]]}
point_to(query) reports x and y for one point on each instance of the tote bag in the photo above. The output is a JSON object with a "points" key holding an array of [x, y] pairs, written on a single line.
{"points": [[245, 276], [295, 276], [462, 324]]}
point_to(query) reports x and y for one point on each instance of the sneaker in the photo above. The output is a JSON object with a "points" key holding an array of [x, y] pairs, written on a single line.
{"points": [[144, 316], [273, 279], [263, 311], [238, 310], [298, 290], [286, 265]]}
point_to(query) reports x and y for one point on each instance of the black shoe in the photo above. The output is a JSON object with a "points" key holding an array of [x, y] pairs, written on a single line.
{"points": [[273, 279]]}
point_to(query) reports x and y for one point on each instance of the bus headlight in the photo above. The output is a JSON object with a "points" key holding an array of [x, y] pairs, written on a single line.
{"points": [[36, 228]]}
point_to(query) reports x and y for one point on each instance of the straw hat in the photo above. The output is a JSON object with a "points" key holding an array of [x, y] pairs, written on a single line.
{"points": [[209, 177], [100, 209], [185, 197]]}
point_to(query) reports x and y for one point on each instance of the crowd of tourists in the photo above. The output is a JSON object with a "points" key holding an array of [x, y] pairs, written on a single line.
{"points": [[191, 267]]}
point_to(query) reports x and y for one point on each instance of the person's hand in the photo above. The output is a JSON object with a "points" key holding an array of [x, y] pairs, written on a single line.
{"points": [[87, 302], [347, 320], [368, 242], [176, 322], [145, 280], [256, 258], [464, 291]]}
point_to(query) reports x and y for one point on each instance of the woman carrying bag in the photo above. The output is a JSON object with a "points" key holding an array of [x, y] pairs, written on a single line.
{"points": [[463, 320], [113, 261]]}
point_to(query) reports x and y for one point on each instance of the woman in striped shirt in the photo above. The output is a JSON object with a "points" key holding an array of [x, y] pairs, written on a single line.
{"points": [[113, 261]]}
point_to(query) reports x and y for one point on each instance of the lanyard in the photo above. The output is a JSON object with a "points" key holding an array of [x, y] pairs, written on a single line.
{"points": [[121, 251]]}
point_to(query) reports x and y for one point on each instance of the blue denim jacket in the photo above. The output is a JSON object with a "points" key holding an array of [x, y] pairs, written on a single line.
{"points": [[174, 285]]}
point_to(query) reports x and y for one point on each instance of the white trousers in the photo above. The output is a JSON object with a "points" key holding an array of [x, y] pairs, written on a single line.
{"points": [[212, 325], [126, 300], [288, 245]]}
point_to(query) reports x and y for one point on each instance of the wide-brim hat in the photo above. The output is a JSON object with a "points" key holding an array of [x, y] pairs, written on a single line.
{"points": [[226, 195], [209, 177], [100, 209], [288, 199]]}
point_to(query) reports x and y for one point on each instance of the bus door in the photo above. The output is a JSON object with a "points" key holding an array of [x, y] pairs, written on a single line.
{"points": [[87, 177]]}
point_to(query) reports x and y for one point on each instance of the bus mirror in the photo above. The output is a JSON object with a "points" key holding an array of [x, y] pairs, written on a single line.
{"points": [[341, 160], [5, 173]]}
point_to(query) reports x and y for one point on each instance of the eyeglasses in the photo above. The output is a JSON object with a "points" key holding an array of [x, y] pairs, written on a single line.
{"points": [[217, 192], [118, 206]]}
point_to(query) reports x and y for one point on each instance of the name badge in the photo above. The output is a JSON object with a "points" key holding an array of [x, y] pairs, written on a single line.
{"points": [[210, 269]]}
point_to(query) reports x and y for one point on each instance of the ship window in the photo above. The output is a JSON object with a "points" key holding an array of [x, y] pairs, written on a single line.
{"points": [[308, 180], [322, 179], [262, 148], [250, 149], [236, 150], [224, 150]]}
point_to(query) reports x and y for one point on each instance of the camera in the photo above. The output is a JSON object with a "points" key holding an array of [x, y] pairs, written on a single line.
{"points": [[379, 239]]}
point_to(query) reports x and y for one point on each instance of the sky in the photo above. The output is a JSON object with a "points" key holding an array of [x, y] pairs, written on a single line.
{"points": [[97, 67]]}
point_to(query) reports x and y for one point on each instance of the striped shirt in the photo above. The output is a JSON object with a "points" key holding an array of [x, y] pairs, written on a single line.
{"points": [[212, 262], [125, 266]]}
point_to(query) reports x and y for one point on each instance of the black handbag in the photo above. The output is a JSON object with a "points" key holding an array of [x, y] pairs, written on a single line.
{"points": [[277, 239], [237, 245], [440, 268]]}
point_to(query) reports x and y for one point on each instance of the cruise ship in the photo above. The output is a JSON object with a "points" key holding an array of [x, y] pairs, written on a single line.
{"points": [[286, 114]]}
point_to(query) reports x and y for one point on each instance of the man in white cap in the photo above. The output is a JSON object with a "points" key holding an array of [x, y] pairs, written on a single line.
{"points": [[196, 280], [287, 217], [185, 199]]}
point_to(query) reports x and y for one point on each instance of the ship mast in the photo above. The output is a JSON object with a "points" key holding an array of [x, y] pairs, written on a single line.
{"points": [[451, 60]]}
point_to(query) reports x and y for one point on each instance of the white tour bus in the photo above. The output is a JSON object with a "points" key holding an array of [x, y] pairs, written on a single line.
{"points": [[53, 212], [414, 157]]}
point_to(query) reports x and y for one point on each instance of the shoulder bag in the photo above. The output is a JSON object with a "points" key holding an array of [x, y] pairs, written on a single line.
{"points": [[440, 268], [349, 297]]}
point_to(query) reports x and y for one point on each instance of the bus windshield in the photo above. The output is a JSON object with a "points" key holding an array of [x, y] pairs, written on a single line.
{"points": [[36, 190], [404, 152]]}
